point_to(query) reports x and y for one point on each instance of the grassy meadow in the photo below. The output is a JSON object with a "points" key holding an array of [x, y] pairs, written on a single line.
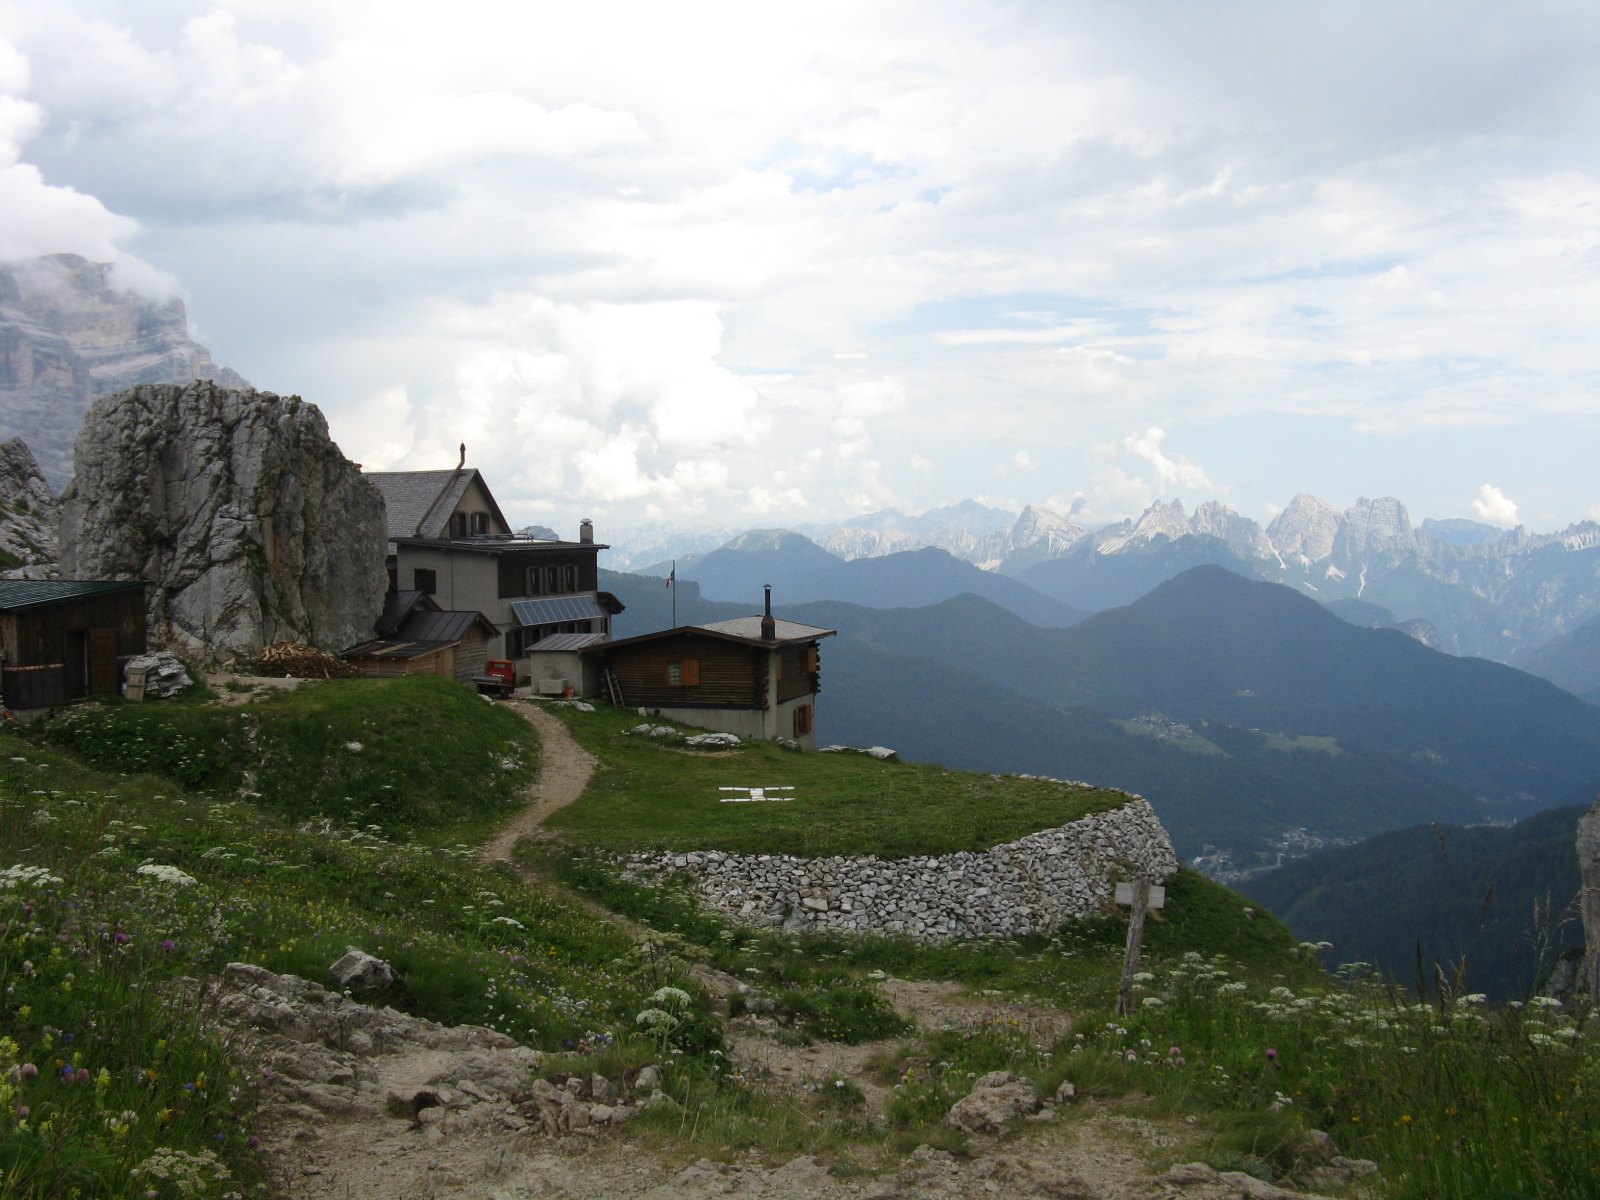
{"points": [[650, 794], [144, 846]]}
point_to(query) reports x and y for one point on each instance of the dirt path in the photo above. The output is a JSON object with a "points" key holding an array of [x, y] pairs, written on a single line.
{"points": [[564, 771]]}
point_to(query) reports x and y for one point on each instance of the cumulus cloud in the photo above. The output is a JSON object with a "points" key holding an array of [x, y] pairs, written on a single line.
{"points": [[1494, 506], [670, 266], [41, 218], [1172, 471]]}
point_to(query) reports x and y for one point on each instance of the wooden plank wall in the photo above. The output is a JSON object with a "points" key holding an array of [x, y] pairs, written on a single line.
{"points": [[794, 680], [731, 675]]}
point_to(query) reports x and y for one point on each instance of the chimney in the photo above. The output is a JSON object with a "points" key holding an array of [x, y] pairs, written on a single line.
{"points": [[463, 461], [586, 531], [769, 627]]}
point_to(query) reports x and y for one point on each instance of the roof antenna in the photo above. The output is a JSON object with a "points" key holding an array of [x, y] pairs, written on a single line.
{"points": [[769, 627], [463, 461]]}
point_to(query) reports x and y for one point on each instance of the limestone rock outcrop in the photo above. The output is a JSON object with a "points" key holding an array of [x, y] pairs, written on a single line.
{"points": [[27, 514], [1589, 896], [71, 331], [236, 506]]}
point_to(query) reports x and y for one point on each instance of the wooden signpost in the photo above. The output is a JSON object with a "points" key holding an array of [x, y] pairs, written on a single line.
{"points": [[1141, 894]]}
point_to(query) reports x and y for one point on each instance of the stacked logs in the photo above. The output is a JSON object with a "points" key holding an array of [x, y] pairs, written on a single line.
{"points": [[300, 661]]}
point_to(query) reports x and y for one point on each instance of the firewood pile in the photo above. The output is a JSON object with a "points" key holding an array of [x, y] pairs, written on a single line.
{"points": [[300, 661]]}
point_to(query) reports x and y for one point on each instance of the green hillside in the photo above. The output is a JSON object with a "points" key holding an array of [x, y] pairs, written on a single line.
{"points": [[122, 892], [1497, 903]]}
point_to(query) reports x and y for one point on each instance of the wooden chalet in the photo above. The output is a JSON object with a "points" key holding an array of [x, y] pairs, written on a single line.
{"points": [[758, 677], [64, 639]]}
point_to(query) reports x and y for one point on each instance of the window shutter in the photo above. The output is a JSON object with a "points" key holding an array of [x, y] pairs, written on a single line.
{"points": [[691, 672], [811, 659]]}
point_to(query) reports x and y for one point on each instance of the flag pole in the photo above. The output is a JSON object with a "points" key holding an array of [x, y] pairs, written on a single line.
{"points": [[672, 579]]}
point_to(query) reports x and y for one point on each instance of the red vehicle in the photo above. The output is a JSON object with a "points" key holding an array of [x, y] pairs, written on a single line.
{"points": [[499, 678]]}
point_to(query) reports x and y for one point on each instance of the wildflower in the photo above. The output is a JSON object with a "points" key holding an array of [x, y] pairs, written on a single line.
{"points": [[27, 1070], [166, 874], [1272, 1055], [168, 945]]}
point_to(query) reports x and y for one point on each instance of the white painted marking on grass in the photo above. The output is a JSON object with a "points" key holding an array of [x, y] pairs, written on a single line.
{"points": [[755, 795]]}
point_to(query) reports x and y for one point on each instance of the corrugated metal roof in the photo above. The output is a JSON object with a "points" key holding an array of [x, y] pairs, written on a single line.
{"points": [[403, 650], [446, 627], [18, 595], [556, 609], [566, 641], [750, 627]]}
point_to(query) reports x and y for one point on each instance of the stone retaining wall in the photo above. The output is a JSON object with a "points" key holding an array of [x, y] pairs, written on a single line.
{"points": [[1028, 886]]}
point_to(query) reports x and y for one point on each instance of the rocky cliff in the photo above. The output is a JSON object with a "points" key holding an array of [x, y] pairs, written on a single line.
{"points": [[237, 507], [67, 335], [27, 514]]}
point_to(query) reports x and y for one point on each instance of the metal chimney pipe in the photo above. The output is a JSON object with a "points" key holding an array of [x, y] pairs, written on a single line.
{"points": [[586, 530], [769, 627]]}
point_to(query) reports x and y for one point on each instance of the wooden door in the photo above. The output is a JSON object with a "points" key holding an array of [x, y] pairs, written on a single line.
{"points": [[103, 673]]}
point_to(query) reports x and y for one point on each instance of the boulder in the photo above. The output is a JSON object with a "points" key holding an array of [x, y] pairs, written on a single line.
{"points": [[713, 741], [360, 973], [236, 506], [995, 1100], [164, 675]]}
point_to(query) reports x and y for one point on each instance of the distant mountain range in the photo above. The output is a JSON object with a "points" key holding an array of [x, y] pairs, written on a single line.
{"points": [[1249, 715], [1458, 586], [69, 334]]}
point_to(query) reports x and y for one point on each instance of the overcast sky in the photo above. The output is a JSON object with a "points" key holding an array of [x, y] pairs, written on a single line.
{"points": [[761, 264]]}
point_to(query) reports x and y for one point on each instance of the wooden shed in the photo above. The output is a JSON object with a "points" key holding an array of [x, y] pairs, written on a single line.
{"points": [[428, 642], [67, 639]]}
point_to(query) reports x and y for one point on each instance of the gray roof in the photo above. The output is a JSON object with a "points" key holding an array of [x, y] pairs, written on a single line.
{"points": [[397, 606], [448, 627], [566, 641], [785, 631], [18, 595], [423, 632], [419, 503], [557, 609], [740, 629]]}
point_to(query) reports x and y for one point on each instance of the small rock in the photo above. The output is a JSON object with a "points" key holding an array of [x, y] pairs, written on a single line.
{"points": [[1067, 1092], [361, 973]]}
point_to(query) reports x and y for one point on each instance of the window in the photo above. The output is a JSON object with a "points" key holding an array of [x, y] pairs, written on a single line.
{"points": [[480, 524], [552, 580], [569, 578], [683, 673], [425, 581], [458, 525], [802, 720], [531, 582]]}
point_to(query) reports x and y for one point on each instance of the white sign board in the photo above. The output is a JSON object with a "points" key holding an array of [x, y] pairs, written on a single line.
{"points": [[754, 795], [1158, 895]]}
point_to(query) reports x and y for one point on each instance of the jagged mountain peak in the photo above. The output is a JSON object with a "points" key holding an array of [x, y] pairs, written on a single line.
{"points": [[71, 333], [1305, 529]]}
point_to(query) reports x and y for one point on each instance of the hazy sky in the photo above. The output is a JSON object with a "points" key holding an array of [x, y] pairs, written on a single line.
{"points": [[760, 264]]}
